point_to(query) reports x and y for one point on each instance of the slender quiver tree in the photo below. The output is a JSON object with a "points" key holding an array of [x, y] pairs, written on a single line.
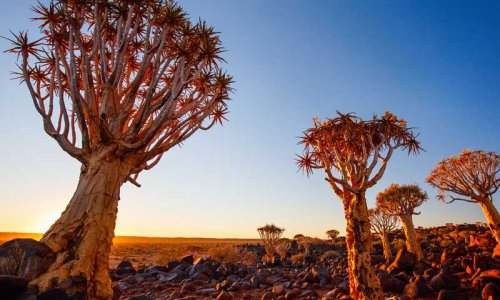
{"points": [[332, 234], [270, 235], [382, 224], [354, 154], [117, 84], [401, 201], [472, 176]]}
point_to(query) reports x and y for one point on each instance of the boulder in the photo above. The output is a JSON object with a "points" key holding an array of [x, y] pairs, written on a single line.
{"points": [[33, 257], [490, 291], [125, 268], [451, 295], [404, 261], [445, 281], [417, 288]]}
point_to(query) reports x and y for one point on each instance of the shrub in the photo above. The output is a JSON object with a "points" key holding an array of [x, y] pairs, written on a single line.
{"points": [[11, 265], [331, 254], [298, 258]]}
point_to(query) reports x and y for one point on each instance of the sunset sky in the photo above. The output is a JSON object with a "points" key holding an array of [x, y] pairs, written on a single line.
{"points": [[435, 64]]}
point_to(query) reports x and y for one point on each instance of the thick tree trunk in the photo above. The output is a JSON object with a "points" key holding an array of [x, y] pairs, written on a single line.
{"points": [[492, 216], [363, 283], [387, 247], [412, 244], [82, 237]]}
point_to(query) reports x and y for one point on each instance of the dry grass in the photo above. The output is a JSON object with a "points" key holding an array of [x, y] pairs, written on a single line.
{"points": [[11, 265]]}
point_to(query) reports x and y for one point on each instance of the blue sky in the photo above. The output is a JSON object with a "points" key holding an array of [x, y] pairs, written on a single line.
{"points": [[435, 64]]}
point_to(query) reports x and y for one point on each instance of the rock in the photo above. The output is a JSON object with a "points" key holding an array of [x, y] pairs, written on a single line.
{"points": [[496, 252], [33, 257], [268, 296], [321, 274], [451, 295], [175, 295], [188, 259], [404, 261], [12, 285], [418, 289], [188, 287], [199, 276], [293, 294], [141, 297], [390, 284], [207, 291], [223, 295], [54, 294], [445, 281], [278, 290], [125, 268], [490, 291]]}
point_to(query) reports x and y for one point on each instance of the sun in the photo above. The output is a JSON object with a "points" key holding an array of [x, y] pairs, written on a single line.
{"points": [[45, 221]]}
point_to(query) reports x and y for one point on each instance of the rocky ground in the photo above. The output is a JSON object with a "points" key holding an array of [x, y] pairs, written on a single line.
{"points": [[461, 262]]}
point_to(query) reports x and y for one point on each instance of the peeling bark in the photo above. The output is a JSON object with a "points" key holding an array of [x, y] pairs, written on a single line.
{"points": [[386, 245], [82, 237], [363, 283], [412, 244], [492, 216]]}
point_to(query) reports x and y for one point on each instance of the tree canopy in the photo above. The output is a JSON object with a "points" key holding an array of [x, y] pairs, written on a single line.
{"points": [[471, 176], [133, 77], [401, 200]]}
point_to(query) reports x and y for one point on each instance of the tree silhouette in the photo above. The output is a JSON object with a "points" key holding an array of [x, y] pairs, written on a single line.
{"points": [[401, 201], [270, 235], [472, 176], [354, 154], [117, 84], [382, 224], [332, 234]]}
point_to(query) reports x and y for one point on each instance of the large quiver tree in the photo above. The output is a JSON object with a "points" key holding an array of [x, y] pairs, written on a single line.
{"points": [[401, 201], [117, 83], [472, 176], [354, 154]]}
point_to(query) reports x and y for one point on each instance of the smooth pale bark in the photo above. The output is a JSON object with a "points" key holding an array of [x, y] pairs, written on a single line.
{"points": [[363, 283], [82, 237], [492, 216], [386, 246], [412, 244]]}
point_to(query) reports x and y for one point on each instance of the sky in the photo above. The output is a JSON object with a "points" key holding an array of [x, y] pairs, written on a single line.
{"points": [[433, 63]]}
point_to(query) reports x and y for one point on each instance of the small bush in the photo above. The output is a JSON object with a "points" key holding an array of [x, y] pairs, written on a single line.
{"points": [[224, 253], [11, 265], [398, 244], [331, 254], [298, 258]]}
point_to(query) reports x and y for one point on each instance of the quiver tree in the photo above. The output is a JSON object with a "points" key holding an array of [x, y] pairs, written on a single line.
{"points": [[354, 154], [472, 176], [382, 224], [332, 234], [117, 84], [401, 201], [270, 235]]}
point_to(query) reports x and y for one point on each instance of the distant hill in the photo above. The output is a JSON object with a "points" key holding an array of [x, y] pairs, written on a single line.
{"points": [[7, 236]]}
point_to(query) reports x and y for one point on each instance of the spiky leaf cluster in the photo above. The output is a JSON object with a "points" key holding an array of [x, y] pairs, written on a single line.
{"points": [[352, 148]]}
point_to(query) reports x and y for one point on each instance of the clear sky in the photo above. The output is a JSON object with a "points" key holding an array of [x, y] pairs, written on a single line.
{"points": [[434, 63]]}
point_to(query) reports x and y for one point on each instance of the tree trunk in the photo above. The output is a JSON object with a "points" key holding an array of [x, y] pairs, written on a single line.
{"points": [[412, 244], [82, 237], [492, 216], [386, 246], [363, 283]]}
